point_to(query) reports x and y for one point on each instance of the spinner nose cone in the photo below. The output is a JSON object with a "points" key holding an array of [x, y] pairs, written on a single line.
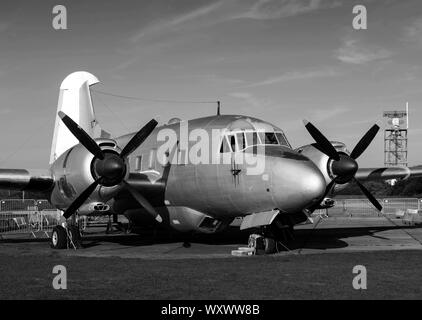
{"points": [[345, 167], [112, 168]]}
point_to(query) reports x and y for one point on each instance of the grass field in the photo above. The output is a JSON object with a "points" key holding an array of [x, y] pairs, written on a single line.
{"points": [[391, 275]]}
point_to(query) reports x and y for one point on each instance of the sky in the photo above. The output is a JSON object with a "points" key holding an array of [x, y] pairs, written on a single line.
{"points": [[278, 60]]}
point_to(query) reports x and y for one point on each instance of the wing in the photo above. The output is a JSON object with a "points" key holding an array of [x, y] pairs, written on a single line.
{"points": [[28, 180], [387, 173]]}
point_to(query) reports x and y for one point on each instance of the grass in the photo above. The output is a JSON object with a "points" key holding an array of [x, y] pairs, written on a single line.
{"points": [[391, 275]]}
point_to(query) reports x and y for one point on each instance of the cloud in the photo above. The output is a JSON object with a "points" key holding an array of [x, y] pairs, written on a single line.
{"points": [[295, 75], [321, 115], [276, 9], [354, 52], [178, 20], [195, 14], [228, 10]]}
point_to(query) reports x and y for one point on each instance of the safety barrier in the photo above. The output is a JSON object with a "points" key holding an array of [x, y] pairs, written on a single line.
{"points": [[362, 207], [38, 217], [27, 217], [25, 205], [35, 223]]}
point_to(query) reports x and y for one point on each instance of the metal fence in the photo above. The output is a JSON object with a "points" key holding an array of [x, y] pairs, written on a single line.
{"points": [[37, 218], [19, 217], [362, 207], [25, 205]]}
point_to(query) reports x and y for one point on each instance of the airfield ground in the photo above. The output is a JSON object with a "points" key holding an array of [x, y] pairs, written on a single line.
{"points": [[318, 266]]}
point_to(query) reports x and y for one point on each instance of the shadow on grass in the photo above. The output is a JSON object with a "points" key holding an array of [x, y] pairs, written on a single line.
{"points": [[326, 238]]}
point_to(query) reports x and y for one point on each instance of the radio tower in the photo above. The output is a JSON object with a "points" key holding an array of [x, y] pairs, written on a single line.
{"points": [[395, 137]]}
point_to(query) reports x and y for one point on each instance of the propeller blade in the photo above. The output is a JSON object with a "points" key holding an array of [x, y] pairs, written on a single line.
{"points": [[329, 187], [82, 136], [138, 138], [325, 145], [81, 199], [370, 197], [170, 156], [143, 202], [364, 142]]}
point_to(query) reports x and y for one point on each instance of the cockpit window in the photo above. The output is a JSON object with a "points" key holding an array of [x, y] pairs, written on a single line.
{"points": [[225, 146], [268, 138], [282, 139], [240, 140], [232, 140], [251, 138]]}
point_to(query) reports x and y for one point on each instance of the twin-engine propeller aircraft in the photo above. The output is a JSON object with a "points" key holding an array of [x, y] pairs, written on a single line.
{"points": [[93, 174]]}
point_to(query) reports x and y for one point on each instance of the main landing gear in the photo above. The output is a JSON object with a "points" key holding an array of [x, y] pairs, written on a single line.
{"points": [[66, 237], [272, 238], [261, 244]]}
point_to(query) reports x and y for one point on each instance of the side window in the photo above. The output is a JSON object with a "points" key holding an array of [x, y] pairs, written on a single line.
{"points": [[225, 146], [241, 141], [232, 140], [138, 163], [151, 160]]}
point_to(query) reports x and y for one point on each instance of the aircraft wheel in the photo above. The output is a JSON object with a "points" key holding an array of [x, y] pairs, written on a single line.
{"points": [[75, 236], [59, 238], [270, 246]]}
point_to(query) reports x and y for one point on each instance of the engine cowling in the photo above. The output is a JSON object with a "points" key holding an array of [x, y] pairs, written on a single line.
{"points": [[77, 168], [322, 161]]}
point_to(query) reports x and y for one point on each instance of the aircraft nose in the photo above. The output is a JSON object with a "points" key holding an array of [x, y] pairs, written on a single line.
{"points": [[313, 184], [298, 184]]}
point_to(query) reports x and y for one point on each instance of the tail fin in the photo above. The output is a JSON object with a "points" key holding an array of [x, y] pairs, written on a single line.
{"points": [[75, 101]]}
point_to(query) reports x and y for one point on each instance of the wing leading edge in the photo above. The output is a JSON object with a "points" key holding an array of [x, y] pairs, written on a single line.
{"points": [[387, 173], [28, 180]]}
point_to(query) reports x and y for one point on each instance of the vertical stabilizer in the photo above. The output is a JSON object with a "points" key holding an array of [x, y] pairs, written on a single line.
{"points": [[75, 101]]}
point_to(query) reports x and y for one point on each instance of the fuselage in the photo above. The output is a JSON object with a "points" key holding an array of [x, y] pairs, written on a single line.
{"points": [[247, 177]]}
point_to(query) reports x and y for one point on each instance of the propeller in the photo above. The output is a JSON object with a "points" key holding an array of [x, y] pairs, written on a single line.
{"points": [[109, 168], [343, 166]]}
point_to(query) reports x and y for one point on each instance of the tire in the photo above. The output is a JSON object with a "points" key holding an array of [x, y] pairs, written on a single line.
{"points": [[270, 246], [75, 236], [58, 238]]}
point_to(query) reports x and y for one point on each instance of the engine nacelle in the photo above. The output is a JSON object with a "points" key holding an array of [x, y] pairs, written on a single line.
{"points": [[74, 171], [321, 160]]}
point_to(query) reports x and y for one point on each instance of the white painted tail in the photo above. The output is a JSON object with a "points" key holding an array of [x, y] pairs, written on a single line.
{"points": [[75, 101]]}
